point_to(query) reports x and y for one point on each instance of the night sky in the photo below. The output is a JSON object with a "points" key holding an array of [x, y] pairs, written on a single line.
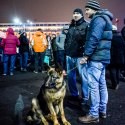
{"points": [[53, 10]]}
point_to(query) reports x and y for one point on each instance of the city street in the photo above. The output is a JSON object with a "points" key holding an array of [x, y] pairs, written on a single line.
{"points": [[28, 85]]}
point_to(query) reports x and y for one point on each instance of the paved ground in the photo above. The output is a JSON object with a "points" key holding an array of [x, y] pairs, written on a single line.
{"points": [[28, 85]]}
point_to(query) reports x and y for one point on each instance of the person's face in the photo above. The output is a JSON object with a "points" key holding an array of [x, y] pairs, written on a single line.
{"points": [[77, 16], [89, 12]]}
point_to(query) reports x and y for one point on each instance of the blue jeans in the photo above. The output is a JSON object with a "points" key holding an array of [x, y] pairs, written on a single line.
{"points": [[6, 58], [72, 64], [23, 60], [97, 88]]}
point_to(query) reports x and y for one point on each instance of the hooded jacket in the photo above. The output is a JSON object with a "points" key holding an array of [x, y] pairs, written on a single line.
{"points": [[99, 36], [40, 42], [10, 42], [24, 43]]}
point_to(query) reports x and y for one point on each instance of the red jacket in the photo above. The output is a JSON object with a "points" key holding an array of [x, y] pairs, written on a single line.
{"points": [[10, 43]]}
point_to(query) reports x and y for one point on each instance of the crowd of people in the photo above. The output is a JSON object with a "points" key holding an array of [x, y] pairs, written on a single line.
{"points": [[87, 47]]}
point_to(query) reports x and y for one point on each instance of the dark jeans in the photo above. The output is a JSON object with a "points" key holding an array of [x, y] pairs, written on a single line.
{"points": [[39, 60], [8, 59], [23, 60], [61, 59], [115, 75]]}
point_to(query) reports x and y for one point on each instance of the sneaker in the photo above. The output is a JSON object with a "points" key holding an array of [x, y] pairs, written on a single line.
{"points": [[24, 70], [114, 87], [11, 74], [44, 71], [35, 71], [102, 115], [21, 69], [88, 119]]}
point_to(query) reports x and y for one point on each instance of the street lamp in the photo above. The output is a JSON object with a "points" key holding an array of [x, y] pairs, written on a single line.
{"points": [[17, 21]]}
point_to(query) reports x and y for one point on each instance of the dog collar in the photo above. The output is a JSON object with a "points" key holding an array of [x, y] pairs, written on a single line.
{"points": [[53, 86]]}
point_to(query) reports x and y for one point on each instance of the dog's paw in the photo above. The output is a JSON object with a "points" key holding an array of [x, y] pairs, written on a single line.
{"points": [[45, 123], [56, 124]]}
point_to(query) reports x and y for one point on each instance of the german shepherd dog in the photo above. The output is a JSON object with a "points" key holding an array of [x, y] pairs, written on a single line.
{"points": [[49, 101]]}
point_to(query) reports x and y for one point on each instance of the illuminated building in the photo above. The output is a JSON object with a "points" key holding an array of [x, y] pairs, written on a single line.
{"points": [[45, 26]]}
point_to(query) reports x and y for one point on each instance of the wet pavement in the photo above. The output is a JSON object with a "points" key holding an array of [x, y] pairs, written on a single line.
{"points": [[28, 85]]}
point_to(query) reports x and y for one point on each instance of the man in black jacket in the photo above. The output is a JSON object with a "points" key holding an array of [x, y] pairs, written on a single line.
{"points": [[123, 35], [74, 47], [117, 58]]}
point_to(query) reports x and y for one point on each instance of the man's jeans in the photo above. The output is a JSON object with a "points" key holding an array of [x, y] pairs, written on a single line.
{"points": [[72, 65], [39, 59], [23, 60], [97, 88], [6, 59]]}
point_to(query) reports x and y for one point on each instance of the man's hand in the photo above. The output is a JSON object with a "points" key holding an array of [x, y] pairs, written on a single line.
{"points": [[83, 60]]}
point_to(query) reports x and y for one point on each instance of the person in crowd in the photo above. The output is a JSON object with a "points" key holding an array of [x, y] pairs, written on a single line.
{"points": [[1, 57], [117, 58], [9, 45], [40, 45], [97, 56], [49, 48], [23, 50], [54, 49], [1, 51], [123, 31], [123, 35], [60, 41], [74, 46]]}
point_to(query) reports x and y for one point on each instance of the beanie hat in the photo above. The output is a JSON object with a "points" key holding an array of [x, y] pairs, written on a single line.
{"points": [[93, 4], [79, 11]]}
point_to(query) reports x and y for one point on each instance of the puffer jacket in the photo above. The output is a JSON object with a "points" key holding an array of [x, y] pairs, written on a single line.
{"points": [[40, 42], [75, 38], [10, 43], [99, 36]]}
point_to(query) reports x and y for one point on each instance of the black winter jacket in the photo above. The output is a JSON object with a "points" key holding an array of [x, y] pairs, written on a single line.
{"points": [[24, 44], [75, 38], [117, 50]]}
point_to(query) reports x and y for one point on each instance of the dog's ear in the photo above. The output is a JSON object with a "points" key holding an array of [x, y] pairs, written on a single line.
{"points": [[59, 68]]}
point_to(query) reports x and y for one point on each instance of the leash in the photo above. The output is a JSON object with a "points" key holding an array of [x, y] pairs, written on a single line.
{"points": [[68, 71]]}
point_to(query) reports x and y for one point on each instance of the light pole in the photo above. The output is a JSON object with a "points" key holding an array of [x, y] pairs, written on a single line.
{"points": [[17, 21], [30, 25]]}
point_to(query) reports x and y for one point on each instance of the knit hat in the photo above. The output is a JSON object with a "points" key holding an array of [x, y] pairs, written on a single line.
{"points": [[93, 4], [79, 11]]}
